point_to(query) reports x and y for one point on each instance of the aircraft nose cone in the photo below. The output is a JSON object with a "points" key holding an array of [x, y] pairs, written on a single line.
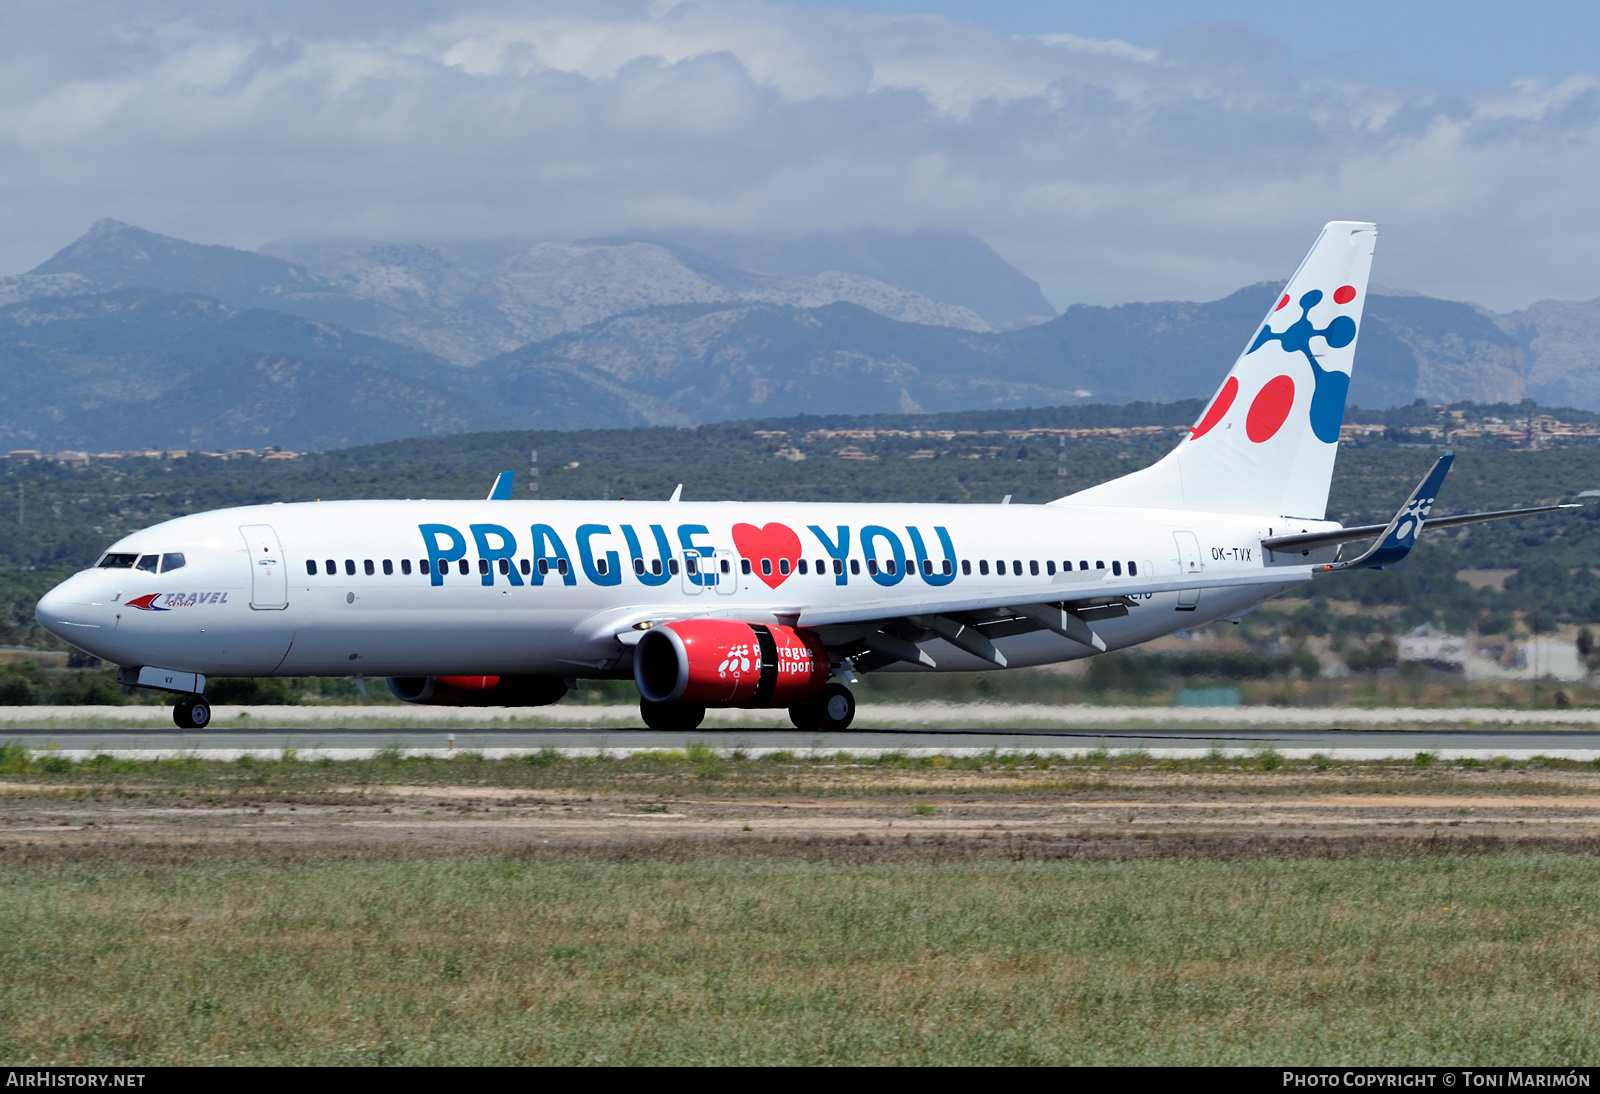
{"points": [[71, 606]]}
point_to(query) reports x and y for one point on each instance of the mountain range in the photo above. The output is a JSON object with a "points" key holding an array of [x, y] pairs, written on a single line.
{"points": [[127, 338]]}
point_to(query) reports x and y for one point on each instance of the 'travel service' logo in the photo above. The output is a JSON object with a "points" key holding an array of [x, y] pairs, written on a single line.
{"points": [[167, 601], [1271, 406]]}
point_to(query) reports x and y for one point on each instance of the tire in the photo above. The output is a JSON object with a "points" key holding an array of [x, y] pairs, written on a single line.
{"points": [[192, 712], [835, 708], [671, 717], [830, 712], [805, 717]]}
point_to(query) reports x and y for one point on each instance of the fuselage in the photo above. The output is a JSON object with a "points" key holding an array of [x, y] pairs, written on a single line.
{"points": [[426, 588]]}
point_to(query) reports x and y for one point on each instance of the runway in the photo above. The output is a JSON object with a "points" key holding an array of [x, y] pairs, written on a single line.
{"points": [[445, 741]]}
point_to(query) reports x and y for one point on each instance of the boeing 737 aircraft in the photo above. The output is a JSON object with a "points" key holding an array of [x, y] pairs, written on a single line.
{"points": [[763, 604]]}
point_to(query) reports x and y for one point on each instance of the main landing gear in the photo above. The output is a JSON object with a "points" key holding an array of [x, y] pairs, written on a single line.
{"points": [[192, 712], [832, 711], [671, 716]]}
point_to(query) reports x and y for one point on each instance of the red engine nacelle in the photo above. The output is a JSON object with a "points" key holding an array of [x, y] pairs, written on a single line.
{"points": [[723, 663], [478, 691]]}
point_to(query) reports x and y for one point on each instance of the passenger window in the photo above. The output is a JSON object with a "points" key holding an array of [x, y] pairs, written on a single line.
{"points": [[891, 565], [672, 566], [405, 566], [330, 567], [802, 565], [638, 566], [744, 566], [855, 566], [311, 567], [838, 567], [1099, 565], [1033, 567], [983, 567], [561, 566], [170, 561], [872, 566], [783, 566], [463, 567], [148, 562], [505, 566], [1050, 567], [1083, 564], [544, 565], [423, 568], [1133, 569], [1016, 567], [118, 562], [350, 567], [966, 567], [600, 566], [369, 567], [1000, 566], [388, 567], [483, 565], [949, 570], [927, 567], [766, 566], [726, 567], [1116, 568], [655, 566]]}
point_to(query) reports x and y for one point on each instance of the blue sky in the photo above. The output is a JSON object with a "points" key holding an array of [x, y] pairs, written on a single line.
{"points": [[1112, 152]]}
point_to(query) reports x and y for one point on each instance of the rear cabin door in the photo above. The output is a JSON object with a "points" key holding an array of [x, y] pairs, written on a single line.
{"points": [[269, 575], [1189, 564]]}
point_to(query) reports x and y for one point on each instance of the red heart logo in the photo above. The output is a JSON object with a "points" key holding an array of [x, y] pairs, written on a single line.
{"points": [[767, 548]]}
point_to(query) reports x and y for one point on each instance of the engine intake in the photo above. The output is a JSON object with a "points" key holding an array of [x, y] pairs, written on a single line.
{"points": [[723, 663], [478, 691]]}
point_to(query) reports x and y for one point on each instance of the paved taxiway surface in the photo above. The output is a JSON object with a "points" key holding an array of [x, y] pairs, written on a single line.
{"points": [[346, 743]]}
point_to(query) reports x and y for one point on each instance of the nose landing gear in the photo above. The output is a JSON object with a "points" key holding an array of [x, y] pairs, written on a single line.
{"points": [[192, 712], [831, 711]]}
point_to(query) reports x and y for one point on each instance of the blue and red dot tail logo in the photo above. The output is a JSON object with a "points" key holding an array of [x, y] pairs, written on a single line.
{"points": [[1271, 406]]}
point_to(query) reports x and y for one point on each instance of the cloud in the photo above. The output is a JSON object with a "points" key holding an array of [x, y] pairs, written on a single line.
{"points": [[1106, 171]]}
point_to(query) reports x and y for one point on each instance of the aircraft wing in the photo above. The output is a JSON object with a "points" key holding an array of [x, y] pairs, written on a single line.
{"points": [[875, 632]]}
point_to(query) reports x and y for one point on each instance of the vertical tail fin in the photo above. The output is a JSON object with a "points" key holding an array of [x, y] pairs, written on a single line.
{"points": [[1267, 440]]}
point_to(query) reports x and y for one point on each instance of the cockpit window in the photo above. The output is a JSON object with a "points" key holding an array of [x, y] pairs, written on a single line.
{"points": [[118, 562], [148, 562], [172, 560]]}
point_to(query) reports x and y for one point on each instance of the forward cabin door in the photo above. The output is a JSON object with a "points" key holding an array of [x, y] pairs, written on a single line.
{"points": [[269, 575], [1189, 564]]}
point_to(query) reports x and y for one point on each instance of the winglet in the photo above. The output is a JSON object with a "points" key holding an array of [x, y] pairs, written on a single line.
{"points": [[1401, 534], [502, 487]]}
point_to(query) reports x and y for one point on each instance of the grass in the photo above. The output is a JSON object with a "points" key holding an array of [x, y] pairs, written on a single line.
{"points": [[698, 769], [1476, 960], [735, 773]]}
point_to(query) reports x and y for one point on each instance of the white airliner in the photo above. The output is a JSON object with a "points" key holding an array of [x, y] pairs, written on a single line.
{"points": [[762, 604]]}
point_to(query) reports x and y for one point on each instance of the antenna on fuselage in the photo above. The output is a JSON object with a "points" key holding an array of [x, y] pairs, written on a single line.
{"points": [[677, 495]]}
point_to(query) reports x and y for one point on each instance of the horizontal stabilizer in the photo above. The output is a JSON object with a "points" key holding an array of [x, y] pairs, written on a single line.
{"points": [[1310, 541]]}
